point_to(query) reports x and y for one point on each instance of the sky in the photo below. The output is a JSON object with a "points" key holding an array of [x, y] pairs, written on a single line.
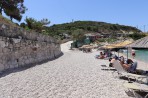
{"points": [[124, 12]]}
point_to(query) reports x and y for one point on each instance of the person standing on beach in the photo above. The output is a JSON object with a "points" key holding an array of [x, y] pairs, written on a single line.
{"points": [[133, 54]]}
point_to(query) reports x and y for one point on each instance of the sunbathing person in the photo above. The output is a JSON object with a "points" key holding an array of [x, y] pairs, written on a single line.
{"points": [[128, 65], [101, 56], [111, 60]]}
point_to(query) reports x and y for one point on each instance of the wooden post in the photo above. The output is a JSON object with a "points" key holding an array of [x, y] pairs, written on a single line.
{"points": [[127, 52]]}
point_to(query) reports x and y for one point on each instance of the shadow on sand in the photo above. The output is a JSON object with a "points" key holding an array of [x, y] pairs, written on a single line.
{"points": [[21, 68]]}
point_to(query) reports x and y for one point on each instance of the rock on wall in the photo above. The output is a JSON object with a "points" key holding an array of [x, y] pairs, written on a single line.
{"points": [[19, 47]]}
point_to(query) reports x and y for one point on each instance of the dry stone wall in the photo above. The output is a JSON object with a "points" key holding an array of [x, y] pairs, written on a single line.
{"points": [[19, 47]]}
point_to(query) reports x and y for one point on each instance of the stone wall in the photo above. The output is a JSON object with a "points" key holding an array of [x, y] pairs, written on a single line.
{"points": [[19, 47]]}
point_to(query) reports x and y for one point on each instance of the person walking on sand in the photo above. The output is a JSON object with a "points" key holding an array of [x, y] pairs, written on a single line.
{"points": [[133, 54]]}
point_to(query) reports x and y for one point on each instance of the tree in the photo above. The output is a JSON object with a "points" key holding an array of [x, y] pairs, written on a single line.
{"points": [[23, 25], [137, 36], [36, 25], [13, 8], [13, 13], [45, 22], [78, 34], [30, 22]]}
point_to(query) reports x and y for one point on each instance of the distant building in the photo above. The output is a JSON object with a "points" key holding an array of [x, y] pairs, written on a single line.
{"points": [[105, 35], [93, 36], [65, 35]]}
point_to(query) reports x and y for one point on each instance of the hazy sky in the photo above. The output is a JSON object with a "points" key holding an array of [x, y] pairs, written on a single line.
{"points": [[125, 12]]}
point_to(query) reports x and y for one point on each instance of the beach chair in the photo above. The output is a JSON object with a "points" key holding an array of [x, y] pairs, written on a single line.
{"points": [[138, 90], [122, 72], [105, 67]]}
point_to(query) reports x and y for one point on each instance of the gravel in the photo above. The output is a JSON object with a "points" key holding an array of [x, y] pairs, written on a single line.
{"points": [[73, 75]]}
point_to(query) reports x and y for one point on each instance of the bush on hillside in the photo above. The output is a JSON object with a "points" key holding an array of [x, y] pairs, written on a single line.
{"points": [[136, 36]]}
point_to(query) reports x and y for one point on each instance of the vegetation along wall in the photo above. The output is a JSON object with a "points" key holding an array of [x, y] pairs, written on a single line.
{"points": [[19, 47]]}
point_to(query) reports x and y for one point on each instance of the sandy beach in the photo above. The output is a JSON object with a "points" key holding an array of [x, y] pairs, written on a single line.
{"points": [[73, 75]]}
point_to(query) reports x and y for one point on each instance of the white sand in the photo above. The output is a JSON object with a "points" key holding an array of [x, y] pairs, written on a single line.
{"points": [[74, 75], [66, 46]]}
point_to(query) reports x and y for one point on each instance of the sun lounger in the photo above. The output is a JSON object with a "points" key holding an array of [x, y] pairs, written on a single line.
{"points": [[138, 90], [105, 67], [122, 72]]}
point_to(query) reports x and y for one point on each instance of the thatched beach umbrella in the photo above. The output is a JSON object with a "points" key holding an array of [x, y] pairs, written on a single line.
{"points": [[86, 48], [141, 43], [123, 44], [118, 46], [108, 47]]}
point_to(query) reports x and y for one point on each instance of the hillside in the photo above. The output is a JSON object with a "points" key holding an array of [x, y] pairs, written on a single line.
{"points": [[78, 29], [6, 21], [92, 26]]}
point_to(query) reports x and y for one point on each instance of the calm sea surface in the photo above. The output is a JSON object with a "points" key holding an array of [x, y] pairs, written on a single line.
{"points": [[141, 55]]}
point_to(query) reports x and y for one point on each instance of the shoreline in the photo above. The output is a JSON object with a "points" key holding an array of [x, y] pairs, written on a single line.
{"points": [[144, 64]]}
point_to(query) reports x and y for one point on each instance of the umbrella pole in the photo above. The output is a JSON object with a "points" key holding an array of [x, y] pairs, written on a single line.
{"points": [[127, 53]]}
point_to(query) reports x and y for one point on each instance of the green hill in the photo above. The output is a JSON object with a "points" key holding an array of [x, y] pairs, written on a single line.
{"points": [[91, 26], [79, 28]]}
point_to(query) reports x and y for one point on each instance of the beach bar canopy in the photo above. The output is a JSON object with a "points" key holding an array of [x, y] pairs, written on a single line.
{"points": [[108, 47], [118, 45], [141, 43]]}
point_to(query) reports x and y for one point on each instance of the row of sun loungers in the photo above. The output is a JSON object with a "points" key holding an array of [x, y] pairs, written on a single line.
{"points": [[139, 88], [123, 72]]}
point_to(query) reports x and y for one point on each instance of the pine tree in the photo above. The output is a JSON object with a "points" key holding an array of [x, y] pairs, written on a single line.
{"points": [[13, 8]]}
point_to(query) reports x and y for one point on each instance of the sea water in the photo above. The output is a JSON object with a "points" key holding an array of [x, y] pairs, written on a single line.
{"points": [[141, 55]]}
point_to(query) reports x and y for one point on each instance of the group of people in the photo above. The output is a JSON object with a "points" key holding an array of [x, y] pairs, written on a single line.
{"points": [[107, 53], [128, 64], [104, 55]]}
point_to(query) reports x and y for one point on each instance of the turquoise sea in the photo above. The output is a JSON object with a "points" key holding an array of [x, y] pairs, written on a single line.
{"points": [[141, 55]]}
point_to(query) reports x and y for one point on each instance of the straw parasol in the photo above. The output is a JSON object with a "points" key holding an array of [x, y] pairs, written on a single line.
{"points": [[123, 44], [141, 43], [87, 46], [117, 45], [108, 47]]}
